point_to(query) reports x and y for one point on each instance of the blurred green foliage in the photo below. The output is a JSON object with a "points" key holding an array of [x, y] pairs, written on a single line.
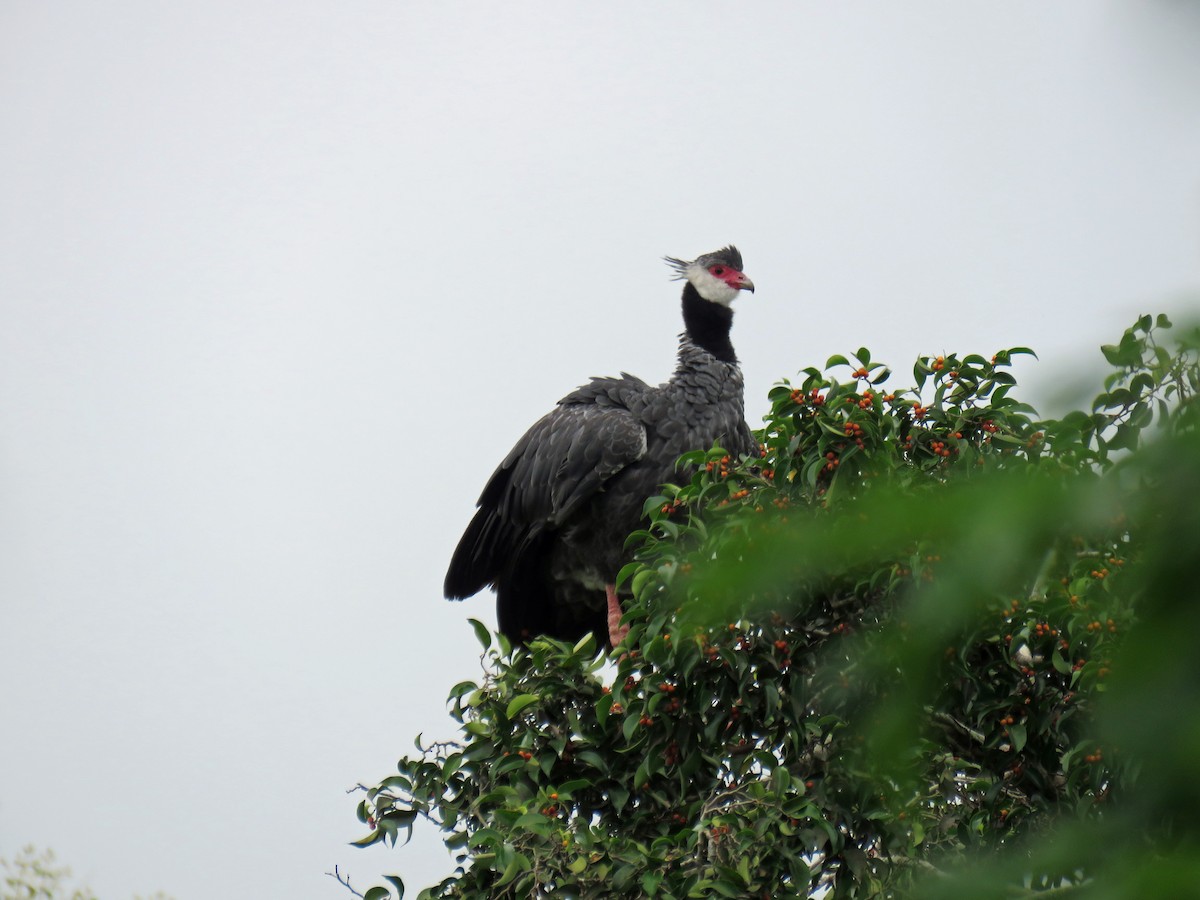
{"points": [[926, 644], [34, 874]]}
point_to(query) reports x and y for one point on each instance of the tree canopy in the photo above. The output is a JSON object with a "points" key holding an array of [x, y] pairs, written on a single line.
{"points": [[927, 643]]}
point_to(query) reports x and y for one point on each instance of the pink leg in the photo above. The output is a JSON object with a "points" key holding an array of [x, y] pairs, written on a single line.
{"points": [[616, 631]]}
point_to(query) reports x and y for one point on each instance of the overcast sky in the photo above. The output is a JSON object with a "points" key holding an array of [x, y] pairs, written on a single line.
{"points": [[280, 283]]}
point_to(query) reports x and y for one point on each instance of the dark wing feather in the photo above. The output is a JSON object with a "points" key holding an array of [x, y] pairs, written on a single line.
{"points": [[558, 464], [747, 441]]}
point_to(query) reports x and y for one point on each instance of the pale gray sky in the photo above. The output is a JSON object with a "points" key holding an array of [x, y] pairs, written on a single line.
{"points": [[281, 282]]}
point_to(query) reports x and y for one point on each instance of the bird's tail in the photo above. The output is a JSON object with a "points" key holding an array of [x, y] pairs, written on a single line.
{"points": [[477, 560]]}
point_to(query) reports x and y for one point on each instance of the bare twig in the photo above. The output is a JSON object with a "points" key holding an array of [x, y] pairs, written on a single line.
{"points": [[947, 719], [912, 863], [343, 880]]}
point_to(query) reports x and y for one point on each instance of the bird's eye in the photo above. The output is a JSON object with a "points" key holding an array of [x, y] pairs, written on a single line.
{"points": [[717, 270]]}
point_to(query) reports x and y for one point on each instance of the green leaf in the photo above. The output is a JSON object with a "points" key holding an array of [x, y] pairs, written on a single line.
{"points": [[640, 580], [398, 883], [727, 888], [484, 837], [1141, 415], [836, 360], [395, 781], [518, 703], [519, 863], [1016, 733], [377, 893], [650, 882], [920, 373], [743, 870], [630, 725], [1126, 438], [622, 876], [593, 759], [504, 644], [627, 571], [658, 651], [1060, 662], [619, 797], [642, 773], [482, 633], [603, 705], [531, 820]]}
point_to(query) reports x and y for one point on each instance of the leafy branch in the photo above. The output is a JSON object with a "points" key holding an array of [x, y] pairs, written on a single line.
{"points": [[910, 635]]}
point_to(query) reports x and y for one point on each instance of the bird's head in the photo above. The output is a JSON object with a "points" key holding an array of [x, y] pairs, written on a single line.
{"points": [[716, 276]]}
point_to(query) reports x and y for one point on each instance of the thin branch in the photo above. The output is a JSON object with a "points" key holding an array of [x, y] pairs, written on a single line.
{"points": [[947, 719], [912, 863], [344, 881]]}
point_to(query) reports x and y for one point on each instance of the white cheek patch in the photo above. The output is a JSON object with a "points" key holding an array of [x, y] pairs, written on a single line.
{"points": [[710, 287]]}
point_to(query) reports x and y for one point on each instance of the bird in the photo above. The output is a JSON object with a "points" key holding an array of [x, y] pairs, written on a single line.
{"points": [[551, 523]]}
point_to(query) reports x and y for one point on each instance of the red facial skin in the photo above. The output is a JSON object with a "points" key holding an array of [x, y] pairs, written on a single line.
{"points": [[732, 277]]}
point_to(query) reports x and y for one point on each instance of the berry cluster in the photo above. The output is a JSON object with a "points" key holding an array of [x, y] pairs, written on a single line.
{"points": [[720, 467]]}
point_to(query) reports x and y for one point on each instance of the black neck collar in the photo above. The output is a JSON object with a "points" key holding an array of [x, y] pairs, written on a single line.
{"points": [[708, 324]]}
